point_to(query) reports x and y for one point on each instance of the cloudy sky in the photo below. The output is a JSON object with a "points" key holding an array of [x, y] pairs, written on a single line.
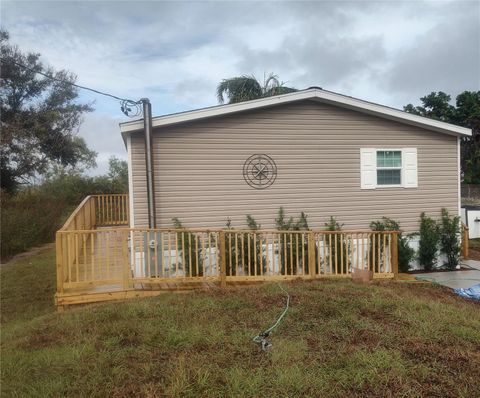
{"points": [[175, 53]]}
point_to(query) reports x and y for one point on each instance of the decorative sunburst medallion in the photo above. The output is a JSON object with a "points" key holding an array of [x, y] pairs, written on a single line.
{"points": [[259, 171]]}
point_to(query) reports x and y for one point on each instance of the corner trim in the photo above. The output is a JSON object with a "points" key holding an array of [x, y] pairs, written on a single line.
{"points": [[130, 182], [459, 167]]}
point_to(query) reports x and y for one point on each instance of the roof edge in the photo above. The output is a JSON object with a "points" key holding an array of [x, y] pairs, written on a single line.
{"points": [[315, 94]]}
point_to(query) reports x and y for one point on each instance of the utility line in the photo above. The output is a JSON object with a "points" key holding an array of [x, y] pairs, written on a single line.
{"points": [[129, 107]]}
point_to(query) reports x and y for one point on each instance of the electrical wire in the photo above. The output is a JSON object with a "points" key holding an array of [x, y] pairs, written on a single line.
{"points": [[129, 107]]}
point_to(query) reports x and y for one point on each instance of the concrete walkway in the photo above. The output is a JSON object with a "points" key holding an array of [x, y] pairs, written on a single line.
{"points": [[453, 279], [475, 264]]}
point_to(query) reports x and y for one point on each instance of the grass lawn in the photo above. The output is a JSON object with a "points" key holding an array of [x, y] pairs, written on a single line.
{"points": [[338, 340]]}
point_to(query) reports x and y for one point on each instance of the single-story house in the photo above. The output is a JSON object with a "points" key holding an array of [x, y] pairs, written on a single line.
{"points": [[313, 150]]}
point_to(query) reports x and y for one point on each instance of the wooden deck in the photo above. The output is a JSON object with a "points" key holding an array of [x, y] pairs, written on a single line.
{"points": [[99, 258]]}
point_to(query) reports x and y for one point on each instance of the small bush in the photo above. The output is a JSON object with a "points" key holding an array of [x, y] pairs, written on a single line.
{"points": [[405, 252], [429, 240], [450, 238], [244, 247], [252, 224], [189, 248], [336, 256], [333, 225], [291, 225], [252, 249], [288, 249]]}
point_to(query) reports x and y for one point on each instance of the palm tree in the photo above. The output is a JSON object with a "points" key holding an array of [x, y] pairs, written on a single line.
{"points": [[246, 88]]}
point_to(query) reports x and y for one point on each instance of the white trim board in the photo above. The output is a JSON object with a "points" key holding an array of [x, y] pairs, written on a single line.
{"points": [[323, 96], [459, 171], [130, 182]]}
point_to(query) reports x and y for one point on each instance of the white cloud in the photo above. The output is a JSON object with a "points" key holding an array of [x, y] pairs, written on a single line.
{"points": [[101, 132], [175, 53]]}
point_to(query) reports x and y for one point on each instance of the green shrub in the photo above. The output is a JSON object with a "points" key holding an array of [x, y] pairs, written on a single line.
{"points": [[246, 247], [255, 251], [189, 248], [33, 214], [376, 249], [29, 219], [290, 249], [450, 239], [429, 240], [252, 224], [405, 252], [340, 256]]}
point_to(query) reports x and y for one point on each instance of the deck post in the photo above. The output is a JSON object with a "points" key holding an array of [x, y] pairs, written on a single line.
{"points": [[394, 253], [93, 213], [59, 261], [223, 262], [87, 216], [311, 254], [126, 263]]}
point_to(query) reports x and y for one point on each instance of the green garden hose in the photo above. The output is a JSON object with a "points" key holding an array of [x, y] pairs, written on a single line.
{"points": [[262, 337]]}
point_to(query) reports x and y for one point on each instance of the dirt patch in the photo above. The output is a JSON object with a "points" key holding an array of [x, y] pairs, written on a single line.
{"points": [[424, 291], [45, 336], [474, 255]]}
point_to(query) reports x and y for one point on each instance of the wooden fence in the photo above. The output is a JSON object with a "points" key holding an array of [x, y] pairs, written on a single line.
{"points": [[134, 257]]}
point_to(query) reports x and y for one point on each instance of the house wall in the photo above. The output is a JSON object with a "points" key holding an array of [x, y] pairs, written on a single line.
{"points": [[316, 147]]}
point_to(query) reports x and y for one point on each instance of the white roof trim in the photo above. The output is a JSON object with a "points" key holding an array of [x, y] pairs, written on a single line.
{"points": [[312, 94]]}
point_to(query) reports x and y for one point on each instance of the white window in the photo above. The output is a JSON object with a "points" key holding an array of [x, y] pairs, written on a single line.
{"points": [[389, 168], [384, 168]]}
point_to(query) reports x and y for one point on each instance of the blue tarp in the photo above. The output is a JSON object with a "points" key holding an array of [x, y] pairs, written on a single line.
{"points": [[472, 292]]}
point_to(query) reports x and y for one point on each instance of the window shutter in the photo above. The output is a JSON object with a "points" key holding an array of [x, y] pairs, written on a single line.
{"points": [[410, 168], [368, 169]]}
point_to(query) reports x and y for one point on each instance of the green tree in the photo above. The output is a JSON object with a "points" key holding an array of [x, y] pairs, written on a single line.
{"points": [[246, 88], [39, 118], [118, 174], [466, 113]]}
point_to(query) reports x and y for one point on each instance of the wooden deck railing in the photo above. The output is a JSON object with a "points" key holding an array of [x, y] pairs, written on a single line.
{"points": [[112, 209], [93, 212], [135, 257], [99, 211]]}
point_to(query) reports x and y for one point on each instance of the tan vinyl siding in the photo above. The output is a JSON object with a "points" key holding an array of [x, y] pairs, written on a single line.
{"points": [[198, 169]]}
